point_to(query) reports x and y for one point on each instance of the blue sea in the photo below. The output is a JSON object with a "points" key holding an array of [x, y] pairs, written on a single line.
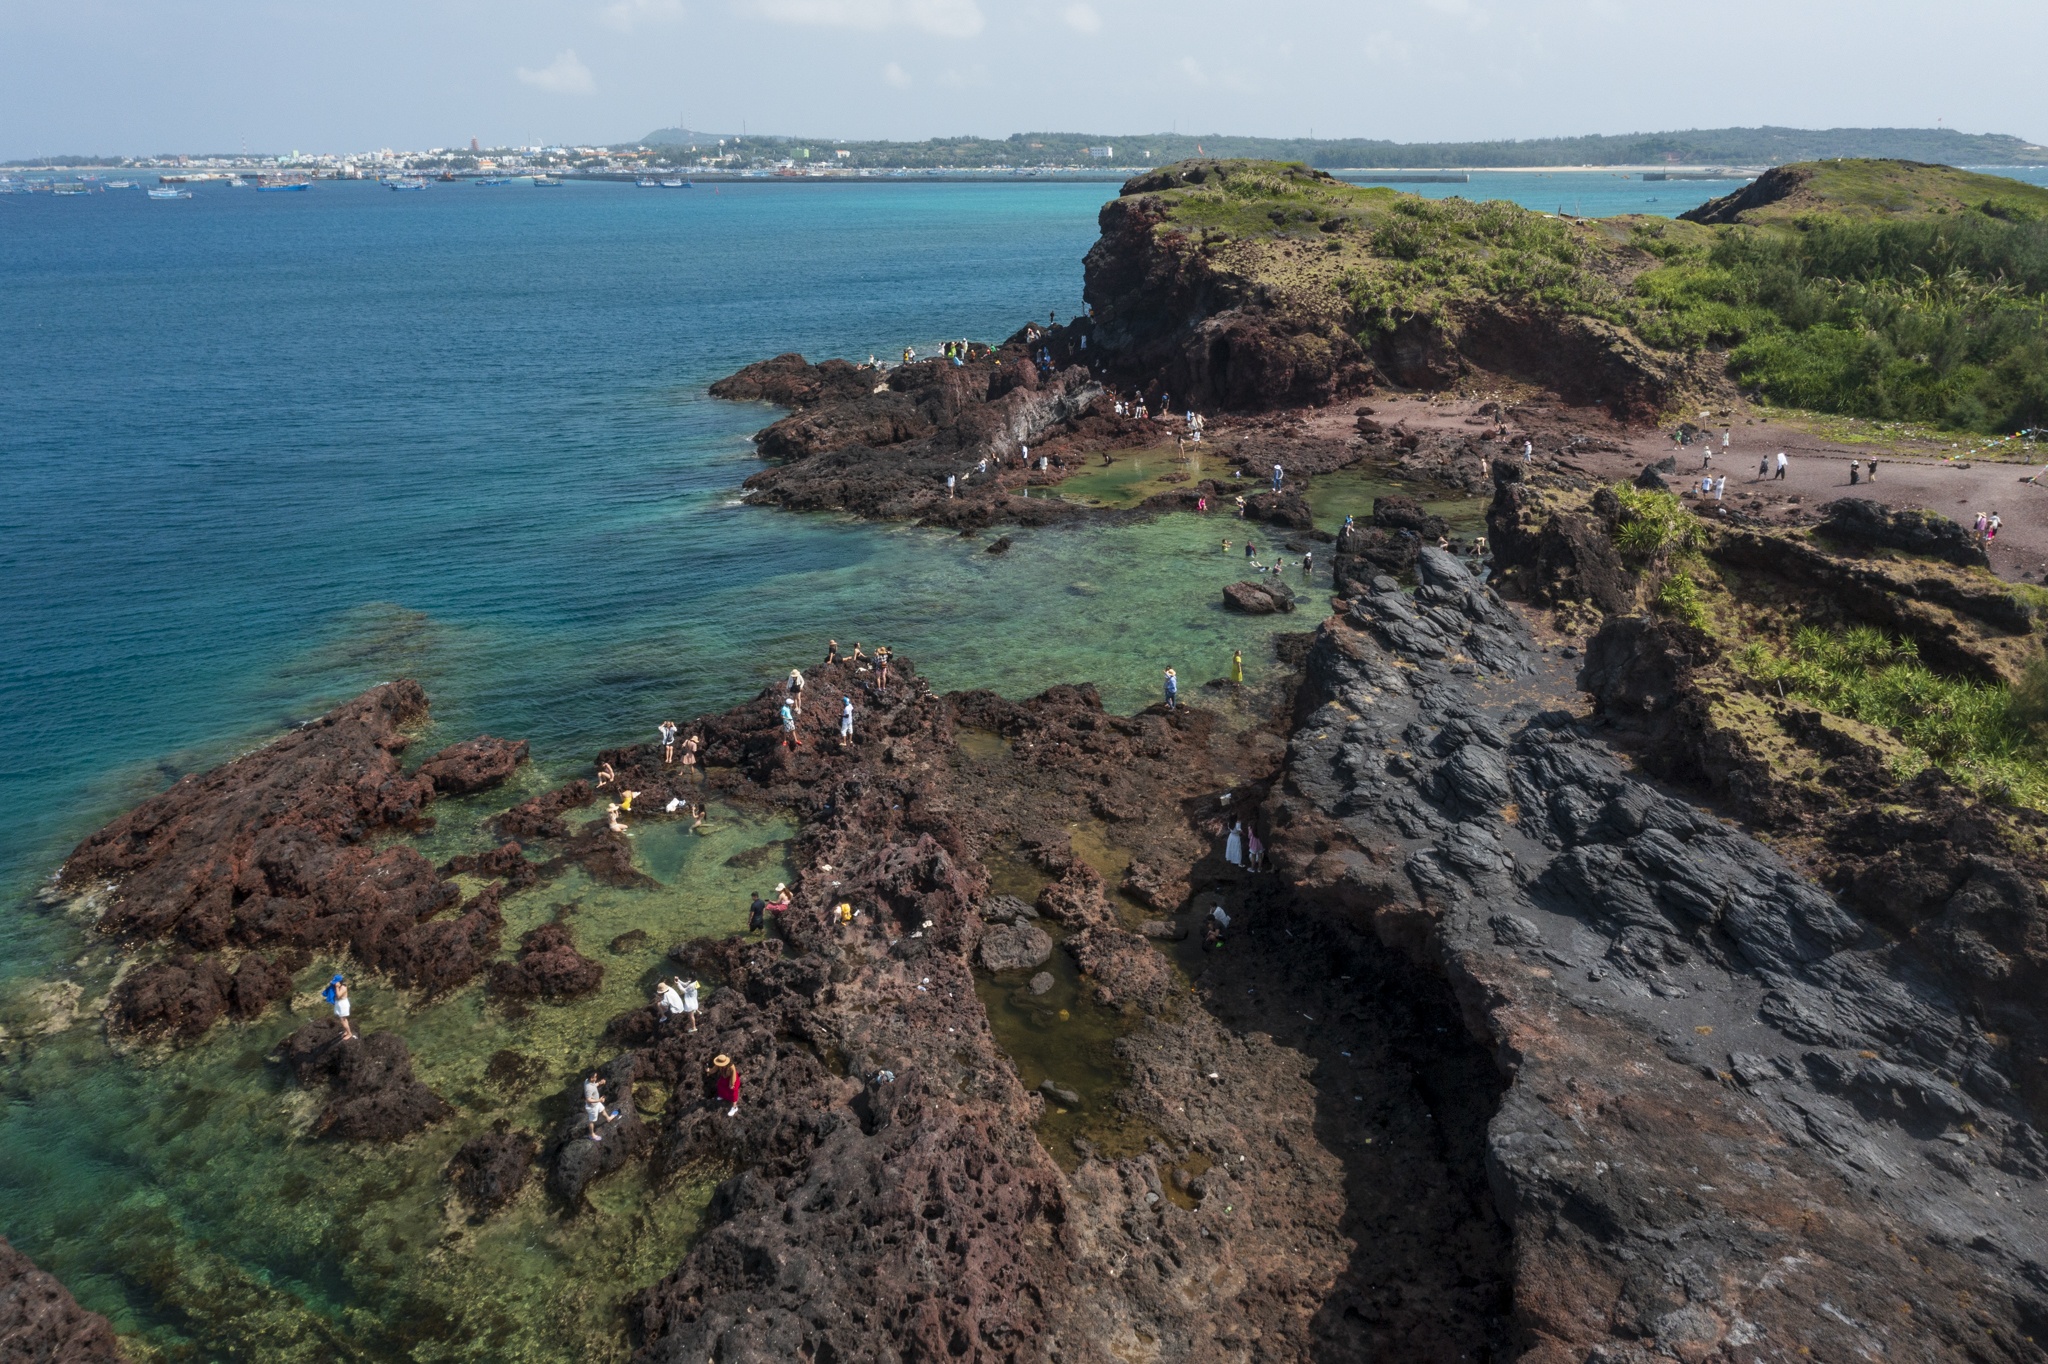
{"points": [[263, 450]]}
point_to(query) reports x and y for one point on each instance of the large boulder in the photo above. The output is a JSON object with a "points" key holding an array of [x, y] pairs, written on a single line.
{"points": [[1286, 508], [573, 1159], [373, 1093], [1015, 947], [490, 1169], [473, 765], [548, 967], [184, 996], [1263, 597], [1858, 520]]}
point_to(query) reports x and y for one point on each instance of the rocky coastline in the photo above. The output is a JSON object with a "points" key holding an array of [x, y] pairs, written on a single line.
{"points": [[1593, 1005]]}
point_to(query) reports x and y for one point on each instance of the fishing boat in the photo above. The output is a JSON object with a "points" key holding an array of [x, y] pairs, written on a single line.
{"points": [[405, 184], [546, 182], [285, 188], [70, 188], [237, 182], [496, 181], [120, 184], [167, 193], [646, 182], [675, 184]]}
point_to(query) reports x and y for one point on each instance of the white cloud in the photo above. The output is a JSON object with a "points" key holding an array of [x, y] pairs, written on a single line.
{"points": [[896, 76], [946, 18], [1082, 17], [565, 75], [627, 15]]}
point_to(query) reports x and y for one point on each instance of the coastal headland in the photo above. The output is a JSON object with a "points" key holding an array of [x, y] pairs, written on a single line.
{"points": [[1643, 958]]}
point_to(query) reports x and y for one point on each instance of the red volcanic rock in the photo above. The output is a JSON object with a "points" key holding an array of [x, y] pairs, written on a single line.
{"points": [[183, 997], [548, 967], [374, 1096], [473, 765], [791, 381], [489, 1170], [507, 860], [279, 822], [41, 1323], [541, 817]]}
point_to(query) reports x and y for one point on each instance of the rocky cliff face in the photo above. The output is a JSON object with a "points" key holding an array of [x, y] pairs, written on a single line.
{"points": [[1740, 1120], [1187, 298]]}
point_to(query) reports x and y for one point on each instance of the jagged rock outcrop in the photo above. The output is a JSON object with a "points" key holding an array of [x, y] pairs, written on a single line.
{"points": [[548, 967], [1695, 1034], [473, 765], [277, 851], [41, 1323], [1259, 597], [490, 1169], [374, 1095]]}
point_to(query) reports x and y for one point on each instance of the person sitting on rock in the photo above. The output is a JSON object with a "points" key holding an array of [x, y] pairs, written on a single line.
{"points": [[725, 1082], [611, 815], [605, 775], [593, 1104], [831, 652], [856, 656]]}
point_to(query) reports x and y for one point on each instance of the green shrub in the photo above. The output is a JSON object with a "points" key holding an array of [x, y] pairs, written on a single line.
{"points": [[1653, 526], [1680, 597], [1986, 736]]}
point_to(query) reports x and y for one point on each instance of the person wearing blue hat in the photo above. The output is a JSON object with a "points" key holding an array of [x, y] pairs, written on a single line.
{"points": [[336, 994]]}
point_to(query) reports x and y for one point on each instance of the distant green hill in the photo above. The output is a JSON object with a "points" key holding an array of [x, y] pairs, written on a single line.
{"points": [[1882, 289], [1709, 146]]}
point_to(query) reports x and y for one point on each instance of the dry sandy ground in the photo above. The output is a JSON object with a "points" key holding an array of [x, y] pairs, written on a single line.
{"points": [[1909, 473]]}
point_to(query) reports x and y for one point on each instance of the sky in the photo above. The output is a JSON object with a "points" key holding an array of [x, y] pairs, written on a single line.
{"points": [[141, 76]]}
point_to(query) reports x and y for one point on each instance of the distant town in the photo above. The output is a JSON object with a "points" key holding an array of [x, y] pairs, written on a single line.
{"points": [[668, 152]]}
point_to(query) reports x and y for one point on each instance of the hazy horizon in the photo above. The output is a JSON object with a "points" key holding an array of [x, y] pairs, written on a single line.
{"points": [[133, 78]]}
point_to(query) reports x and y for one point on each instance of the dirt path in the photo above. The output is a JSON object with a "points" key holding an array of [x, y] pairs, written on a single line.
{"points": [[1910, 473]]}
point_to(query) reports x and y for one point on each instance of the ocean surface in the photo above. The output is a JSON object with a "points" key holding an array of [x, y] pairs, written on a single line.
{"points": [[264, 450]]}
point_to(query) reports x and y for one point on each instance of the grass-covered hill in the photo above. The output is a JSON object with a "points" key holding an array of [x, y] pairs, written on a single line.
{"points": [[1875, 288]]}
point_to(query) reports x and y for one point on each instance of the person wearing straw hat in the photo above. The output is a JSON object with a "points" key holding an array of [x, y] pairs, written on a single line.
{"points": [[725, 1082]]}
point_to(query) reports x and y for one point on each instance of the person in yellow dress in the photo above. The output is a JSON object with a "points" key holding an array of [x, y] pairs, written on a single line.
{"points": [[1237, 666]]}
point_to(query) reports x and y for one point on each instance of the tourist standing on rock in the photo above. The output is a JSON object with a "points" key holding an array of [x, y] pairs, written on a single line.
{"points": [[882, 666], [1991, 531], [950, 480], [846, 719], [1720, 487], [725, 1082], [690, 1005], [668, 1005], [1783, 463], [1278, 474], [1254, 851], [795, 687], [667, 731], [1172, 690], [1308, 560], [1237, 666], [593, 1104], [1707, 457], [1870, 472], [1528, 451], [1233, 845], [1763, 467], [757, 912], [337, 995], [1855, 472], [690, 747], [789, 734]]}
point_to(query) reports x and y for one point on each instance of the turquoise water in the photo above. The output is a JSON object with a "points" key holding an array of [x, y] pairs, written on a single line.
{"points": [[266, 450]]}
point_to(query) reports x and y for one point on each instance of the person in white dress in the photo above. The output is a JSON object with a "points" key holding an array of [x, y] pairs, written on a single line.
{"points": [[1233, 846]]}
